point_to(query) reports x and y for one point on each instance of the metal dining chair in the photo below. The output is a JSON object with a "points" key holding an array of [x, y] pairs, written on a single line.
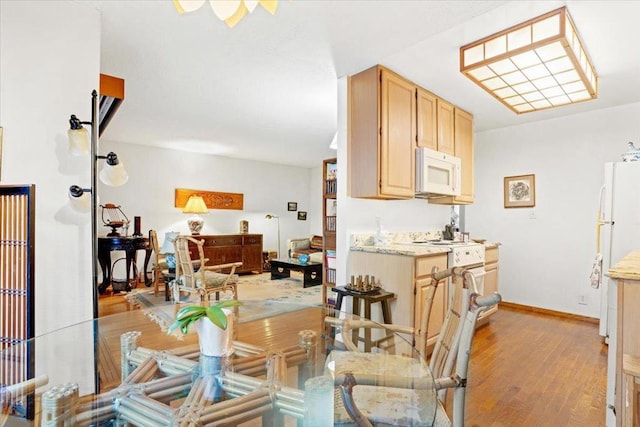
{"points": [[449, 360]]}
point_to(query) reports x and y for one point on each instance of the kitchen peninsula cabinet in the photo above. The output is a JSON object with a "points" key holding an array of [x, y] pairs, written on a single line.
{"points": [[626, 346], [490, 278], [408, 278], [227, 248], [423, 268], [382, 135]]}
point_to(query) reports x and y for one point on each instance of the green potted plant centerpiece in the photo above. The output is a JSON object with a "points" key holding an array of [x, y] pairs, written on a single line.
{"points": [[213, 324]]}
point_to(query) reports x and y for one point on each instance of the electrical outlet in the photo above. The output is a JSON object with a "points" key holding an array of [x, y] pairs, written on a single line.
{"points": [[532, 214], [582, 300]]}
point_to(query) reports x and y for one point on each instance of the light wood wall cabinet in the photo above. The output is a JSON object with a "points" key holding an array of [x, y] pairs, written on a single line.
{"points": [[463, 148], [427, 119], [490, 278], [408, 278], [389, 117], [382, 135], [446, 129]]}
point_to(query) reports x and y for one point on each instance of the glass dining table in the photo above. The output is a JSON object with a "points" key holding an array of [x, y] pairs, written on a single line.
{"points": [[287, 368]]}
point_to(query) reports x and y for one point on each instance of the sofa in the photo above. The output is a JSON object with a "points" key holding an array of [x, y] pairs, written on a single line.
{"points": [[311, 246]]}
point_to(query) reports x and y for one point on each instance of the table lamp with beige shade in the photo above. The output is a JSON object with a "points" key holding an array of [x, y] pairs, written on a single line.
{"points": [[196, 206]]}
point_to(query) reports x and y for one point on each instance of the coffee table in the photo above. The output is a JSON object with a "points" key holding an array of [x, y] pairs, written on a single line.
{"points": [[312, 270]]}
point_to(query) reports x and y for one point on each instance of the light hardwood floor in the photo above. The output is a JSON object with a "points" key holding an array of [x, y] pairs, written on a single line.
{"points": [[527, 368], [534, 369]]}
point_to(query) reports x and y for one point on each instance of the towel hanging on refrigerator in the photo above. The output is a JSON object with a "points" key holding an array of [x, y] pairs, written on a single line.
{"points": [[596, 272]]}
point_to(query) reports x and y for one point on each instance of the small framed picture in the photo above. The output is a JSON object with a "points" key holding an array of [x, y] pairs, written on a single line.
{"points": [[292, 206], [302, 216], [520, 191]]}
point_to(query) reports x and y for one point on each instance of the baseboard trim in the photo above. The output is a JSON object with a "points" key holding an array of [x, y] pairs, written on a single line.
{"points": [[515, 306]]}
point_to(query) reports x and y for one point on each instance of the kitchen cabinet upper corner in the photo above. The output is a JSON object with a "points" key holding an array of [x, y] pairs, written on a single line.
{"points": [[382, 135], [388, 117], [463, 148]]}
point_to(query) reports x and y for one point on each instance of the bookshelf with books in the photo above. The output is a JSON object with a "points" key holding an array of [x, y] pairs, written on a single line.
{"points": [[329, 216]]}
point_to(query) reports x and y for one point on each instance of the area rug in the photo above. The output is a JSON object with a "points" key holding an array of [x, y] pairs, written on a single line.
{"points": [[274, 297]]}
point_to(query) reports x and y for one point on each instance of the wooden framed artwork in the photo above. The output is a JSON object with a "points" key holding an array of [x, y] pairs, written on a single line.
{"points": [[302, 216], [292, 206], [213, 199], [520, 191]]}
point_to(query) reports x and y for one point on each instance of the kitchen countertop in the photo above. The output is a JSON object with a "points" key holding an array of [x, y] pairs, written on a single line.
{"points": [[400, 249], [627, 268], [410, 250]]}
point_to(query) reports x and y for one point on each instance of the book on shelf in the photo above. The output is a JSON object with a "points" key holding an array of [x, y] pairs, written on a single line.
{"points": [[332, 171]]}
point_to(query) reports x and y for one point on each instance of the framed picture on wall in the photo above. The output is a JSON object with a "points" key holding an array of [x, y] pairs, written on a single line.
{"points": [[520, 191], [292, 206], [302, 216]]}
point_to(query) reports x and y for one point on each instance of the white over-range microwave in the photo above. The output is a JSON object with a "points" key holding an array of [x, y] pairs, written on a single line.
{"points": [[437, 174]]}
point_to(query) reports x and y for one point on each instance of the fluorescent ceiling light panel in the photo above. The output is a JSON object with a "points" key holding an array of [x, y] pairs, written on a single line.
{"points": [[538, 64]]}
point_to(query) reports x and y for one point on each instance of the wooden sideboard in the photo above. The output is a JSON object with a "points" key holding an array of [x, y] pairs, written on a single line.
{"points": [[226, 248]]}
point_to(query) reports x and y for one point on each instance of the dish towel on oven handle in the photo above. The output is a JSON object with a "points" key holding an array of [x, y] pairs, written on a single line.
{"points": [[596, 272]]}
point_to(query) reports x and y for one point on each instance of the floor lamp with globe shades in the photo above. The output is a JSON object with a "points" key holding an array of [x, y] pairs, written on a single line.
{"points": [[112, 174]]}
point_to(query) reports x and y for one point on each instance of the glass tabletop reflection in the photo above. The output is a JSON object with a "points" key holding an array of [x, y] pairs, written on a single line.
{"points": [[287, 368]]}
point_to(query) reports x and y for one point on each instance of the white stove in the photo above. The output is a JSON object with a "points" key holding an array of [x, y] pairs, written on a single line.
{"points": [[466, 255], [462, 254]]}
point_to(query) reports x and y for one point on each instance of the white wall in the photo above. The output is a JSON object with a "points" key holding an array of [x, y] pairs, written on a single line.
{"points": [[545, 262], [44, 79], [155, 173], [316, 187], [38, 91]]}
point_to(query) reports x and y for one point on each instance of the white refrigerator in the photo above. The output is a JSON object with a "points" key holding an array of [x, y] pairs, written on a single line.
{"points": [[618, 233]]}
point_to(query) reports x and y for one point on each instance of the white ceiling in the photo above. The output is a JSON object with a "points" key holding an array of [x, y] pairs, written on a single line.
{"points": [[266, 89]]}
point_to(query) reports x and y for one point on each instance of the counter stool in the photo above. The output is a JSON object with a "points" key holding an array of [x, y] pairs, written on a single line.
{"points": [[383, 297]]}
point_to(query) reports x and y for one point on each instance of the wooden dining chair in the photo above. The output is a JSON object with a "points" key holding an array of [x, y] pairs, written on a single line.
{"points": [[160, 266], [195, 277], [450, 357]]}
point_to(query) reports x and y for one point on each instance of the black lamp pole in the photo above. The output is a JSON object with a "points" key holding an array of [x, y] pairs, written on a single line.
{"points": [[94, 199], [76, 191]]}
